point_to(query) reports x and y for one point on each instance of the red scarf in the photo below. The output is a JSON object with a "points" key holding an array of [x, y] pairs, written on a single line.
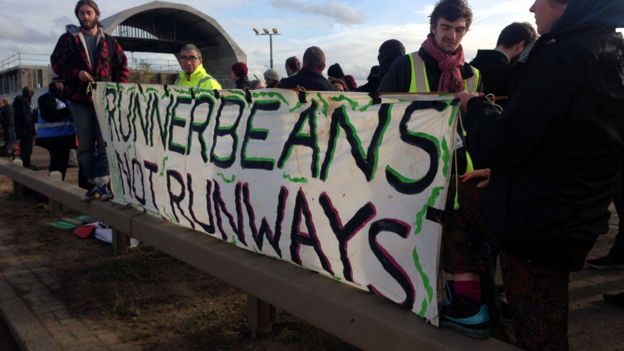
{"points": [[451, 79]]}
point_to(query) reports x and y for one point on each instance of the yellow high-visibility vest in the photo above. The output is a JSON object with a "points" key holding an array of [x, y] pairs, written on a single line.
{"points": [[419, 82]]}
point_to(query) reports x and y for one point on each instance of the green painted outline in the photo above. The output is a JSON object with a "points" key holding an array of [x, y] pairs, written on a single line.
{"points": [[354, 104], [454, 113], [446, 157], [183, 91], [429, 137], [250, 120], [235, 98], [367, 106], [225, 179], [426, 284], [164, 163], [290, 149], [297, 180], [325, 104], [271, 95], [435, 193], [238, 92], [297, 106], [175, 118]]}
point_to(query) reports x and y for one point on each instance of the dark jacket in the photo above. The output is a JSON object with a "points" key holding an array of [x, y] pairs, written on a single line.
{"points": [[70, 57], [243, 83], [398, 77], [7, 121], [308, 79], [556, 149], [496, 71], [24, 119]]}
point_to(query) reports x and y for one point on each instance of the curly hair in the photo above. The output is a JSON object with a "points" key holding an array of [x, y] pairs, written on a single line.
{"points": [[451, 10]]}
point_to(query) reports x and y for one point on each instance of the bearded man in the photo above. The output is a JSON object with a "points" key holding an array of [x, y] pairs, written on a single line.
{"points": [[83, 55]]}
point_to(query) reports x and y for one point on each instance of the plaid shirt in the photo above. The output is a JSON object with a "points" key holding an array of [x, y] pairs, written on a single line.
{"points": [[70, 56]]}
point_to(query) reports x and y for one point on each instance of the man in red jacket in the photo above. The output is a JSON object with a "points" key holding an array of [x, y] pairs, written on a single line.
{"points": [[83, 55]]}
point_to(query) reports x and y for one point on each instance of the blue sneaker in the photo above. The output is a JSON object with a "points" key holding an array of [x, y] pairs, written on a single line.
{"points": [[105, 192], [465, 316]]}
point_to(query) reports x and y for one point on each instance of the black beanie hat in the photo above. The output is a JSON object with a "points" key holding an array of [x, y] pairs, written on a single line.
{"points": [[389, 51], [335, 71]]}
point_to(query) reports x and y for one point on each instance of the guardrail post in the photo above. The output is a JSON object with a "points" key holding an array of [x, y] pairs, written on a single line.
{"points": [[121, 242], [18, 189], [56, 209], [260, 316]]}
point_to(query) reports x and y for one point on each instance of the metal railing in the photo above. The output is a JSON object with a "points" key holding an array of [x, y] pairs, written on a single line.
{"points": [[138, 62], [24, 59]]}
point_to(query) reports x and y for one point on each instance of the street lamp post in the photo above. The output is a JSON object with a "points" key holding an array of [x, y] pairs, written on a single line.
{"points": [[265, 31]]}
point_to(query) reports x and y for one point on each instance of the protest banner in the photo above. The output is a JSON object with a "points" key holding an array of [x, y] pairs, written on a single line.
{"points": [[338, 183]]}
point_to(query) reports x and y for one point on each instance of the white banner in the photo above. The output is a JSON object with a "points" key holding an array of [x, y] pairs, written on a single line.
{"points": [[334, 182]]}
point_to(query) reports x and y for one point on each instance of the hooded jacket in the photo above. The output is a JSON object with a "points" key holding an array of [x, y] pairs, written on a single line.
{"points": [[199, 78], [557, 148], [70, 56]]}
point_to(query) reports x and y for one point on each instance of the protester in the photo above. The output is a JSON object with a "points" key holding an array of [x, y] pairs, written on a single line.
{"points": [[193, 72], [7, 123], [372, 81], [292, 65], [310, 77], [239, 75], [272, 78], [256, 84], [24, 124], [84, 55], [497, 66], [55, 127], [336, 77], [389, 51], [351, 83], [439, 67], [554, 154]]}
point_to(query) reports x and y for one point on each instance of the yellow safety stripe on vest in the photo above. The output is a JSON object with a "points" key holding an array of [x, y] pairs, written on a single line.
{"points": [[472, 84], [419, 83]]}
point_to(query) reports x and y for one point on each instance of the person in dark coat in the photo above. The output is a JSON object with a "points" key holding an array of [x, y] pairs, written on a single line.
{"points": [[7, 124], [372, 82], [239, 75], [83, 55], [554, 153], [310, 77], [497, 66], [55, 127], [389, 51], [24, 124], [292, 65]]}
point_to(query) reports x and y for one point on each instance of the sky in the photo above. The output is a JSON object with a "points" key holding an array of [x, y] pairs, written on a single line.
{"points": [[348, 31]]}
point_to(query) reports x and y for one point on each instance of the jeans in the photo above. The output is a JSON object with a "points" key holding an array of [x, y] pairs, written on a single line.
{"points": [[26, 149], [91, 146], [538, 298]]}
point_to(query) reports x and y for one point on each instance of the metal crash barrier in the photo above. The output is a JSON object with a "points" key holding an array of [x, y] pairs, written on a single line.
{"points": [[358, 317]]}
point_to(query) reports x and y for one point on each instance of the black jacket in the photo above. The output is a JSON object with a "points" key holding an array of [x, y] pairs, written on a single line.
{"points": [[243, 83], [556, 149], [24, 119], [7, 122], [308, 79], [496, 71], [399, 76]]}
